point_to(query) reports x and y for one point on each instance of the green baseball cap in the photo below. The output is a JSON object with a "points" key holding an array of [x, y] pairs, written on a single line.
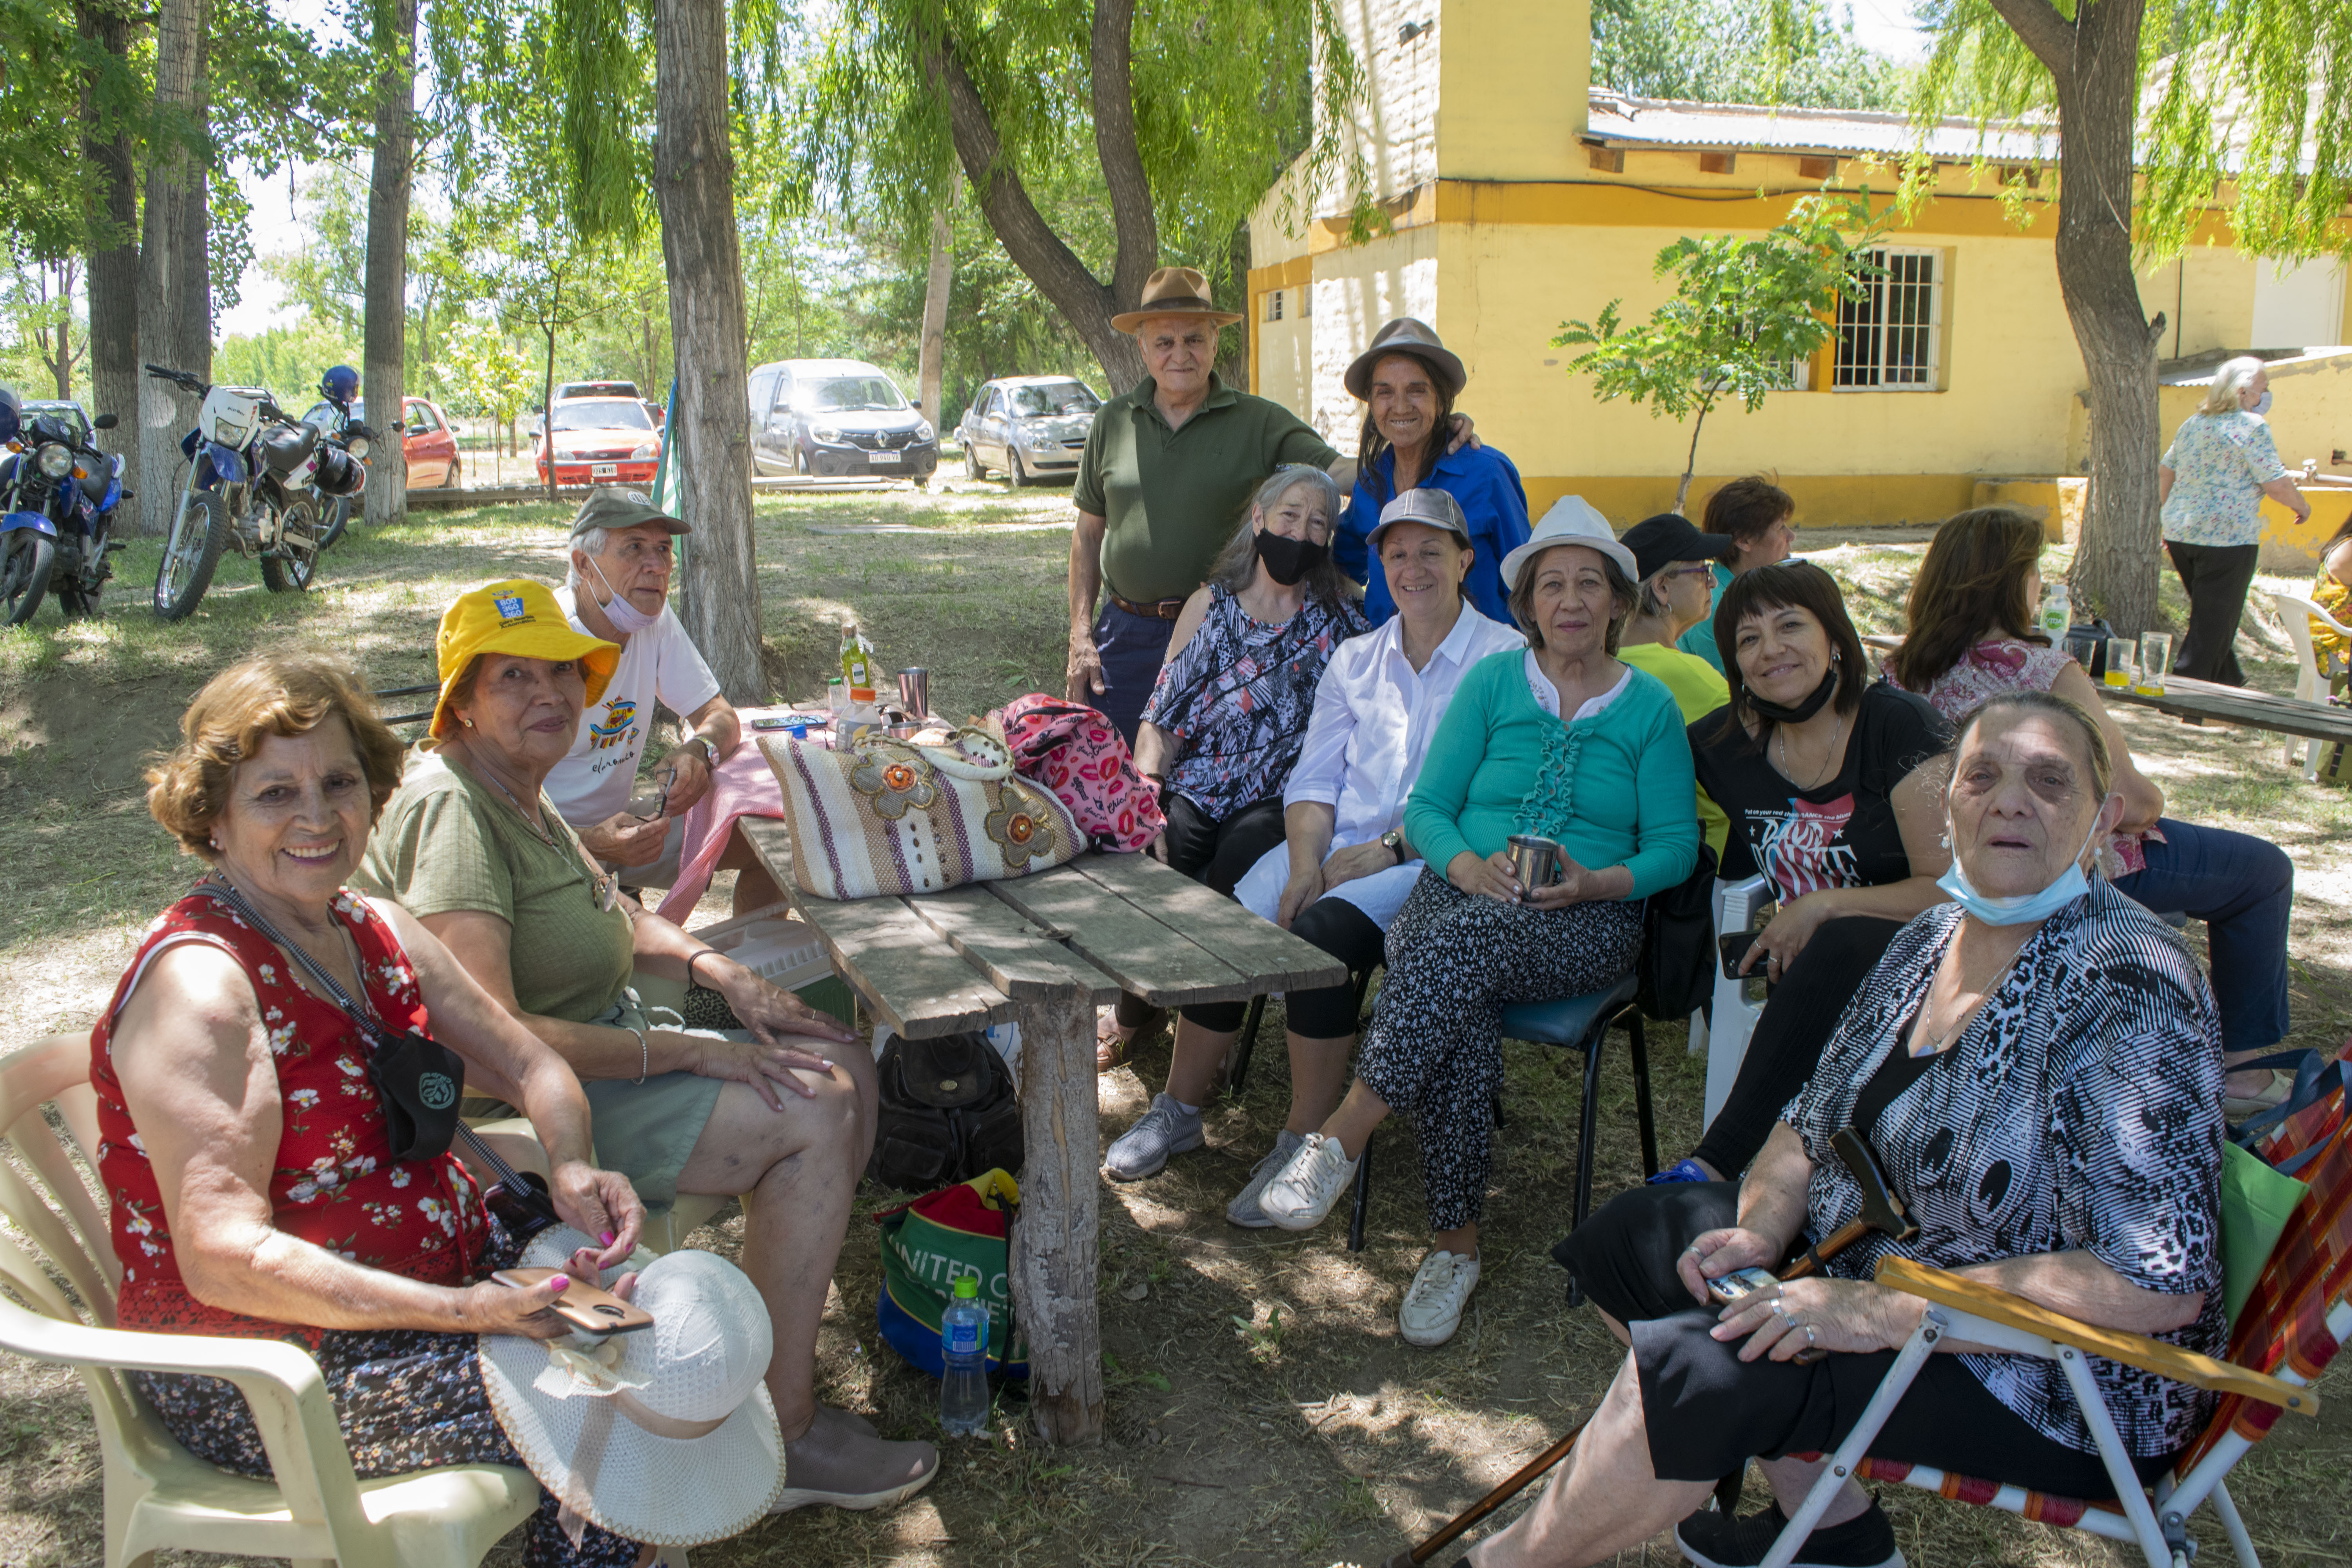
{"points": [[610, 507]]}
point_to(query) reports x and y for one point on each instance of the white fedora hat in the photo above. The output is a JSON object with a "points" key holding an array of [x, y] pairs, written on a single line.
{"points": [[665, 1436], [1570, 521]]}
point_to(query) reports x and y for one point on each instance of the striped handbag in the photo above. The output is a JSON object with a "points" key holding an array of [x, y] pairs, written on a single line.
{"points": [[887, 817]]}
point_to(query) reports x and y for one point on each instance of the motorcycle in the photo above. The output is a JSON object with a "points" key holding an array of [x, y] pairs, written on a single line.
{"points": [[59, 493], [256, 476], [335, 419]]}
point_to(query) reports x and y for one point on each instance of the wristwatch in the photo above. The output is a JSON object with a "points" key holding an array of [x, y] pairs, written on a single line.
{"points": [[1393, 842], [710, 752]]}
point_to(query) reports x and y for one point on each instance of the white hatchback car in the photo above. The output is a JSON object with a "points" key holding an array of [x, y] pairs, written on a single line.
{"points": [[1027, 426]]}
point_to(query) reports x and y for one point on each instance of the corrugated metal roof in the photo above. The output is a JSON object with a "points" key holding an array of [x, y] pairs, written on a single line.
{"points": [[1617, 121]]}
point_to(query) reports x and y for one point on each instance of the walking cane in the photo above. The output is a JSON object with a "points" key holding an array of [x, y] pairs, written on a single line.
{"points": [[1882, 1211]]}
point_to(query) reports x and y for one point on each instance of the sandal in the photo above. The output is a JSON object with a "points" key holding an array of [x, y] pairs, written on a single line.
{"points": [[2238, 1107], [1111, 1040]]}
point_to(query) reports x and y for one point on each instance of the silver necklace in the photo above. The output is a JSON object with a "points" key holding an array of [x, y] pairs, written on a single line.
{"points": [[602, 885], [1943, 1042], [1780, 733]]}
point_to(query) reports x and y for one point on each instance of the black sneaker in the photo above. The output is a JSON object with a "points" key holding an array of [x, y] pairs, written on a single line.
{"points": [[1714, 1540]]}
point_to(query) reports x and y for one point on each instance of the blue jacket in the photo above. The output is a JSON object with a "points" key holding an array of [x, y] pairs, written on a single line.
{"points": [[1492, 497]]}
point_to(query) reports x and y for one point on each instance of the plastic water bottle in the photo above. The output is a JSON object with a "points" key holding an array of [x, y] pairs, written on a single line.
{"points": [[2057, 613], [964, 1350]]}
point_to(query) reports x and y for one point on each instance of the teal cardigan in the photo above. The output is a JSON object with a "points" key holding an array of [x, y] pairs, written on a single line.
{"points": [[1616, 789]]}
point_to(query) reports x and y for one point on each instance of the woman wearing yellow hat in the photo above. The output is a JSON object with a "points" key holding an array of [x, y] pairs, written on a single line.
{"points": [[780, 1113]]}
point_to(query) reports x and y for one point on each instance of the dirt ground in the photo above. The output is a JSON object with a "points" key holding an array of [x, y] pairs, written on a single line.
{"points": [[1262, 1408]]}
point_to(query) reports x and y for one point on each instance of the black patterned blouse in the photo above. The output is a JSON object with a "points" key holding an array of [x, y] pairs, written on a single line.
{"points": [[1237, 697], [2081, 1109]]}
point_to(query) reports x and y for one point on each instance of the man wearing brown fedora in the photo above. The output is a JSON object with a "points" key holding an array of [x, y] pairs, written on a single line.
{"points": [[1169, 467]]}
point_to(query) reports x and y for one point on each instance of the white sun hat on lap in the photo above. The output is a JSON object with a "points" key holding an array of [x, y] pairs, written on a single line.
{"points": [[665, 1436]]}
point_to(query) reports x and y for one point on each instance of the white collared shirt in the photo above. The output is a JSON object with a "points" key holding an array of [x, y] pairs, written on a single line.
{"points": [[1546, 695], [1374, 715]]}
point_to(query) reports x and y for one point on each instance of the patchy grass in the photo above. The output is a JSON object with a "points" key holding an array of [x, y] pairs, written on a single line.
{"points": [[1261, 1407]]}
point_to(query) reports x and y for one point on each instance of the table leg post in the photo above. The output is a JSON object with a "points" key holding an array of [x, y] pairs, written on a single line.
{"points": [[1054, 1244]]}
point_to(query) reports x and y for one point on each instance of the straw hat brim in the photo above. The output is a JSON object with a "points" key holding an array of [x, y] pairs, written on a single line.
{"points": [[1127, 321], [1443, 362], [660, 1491]]}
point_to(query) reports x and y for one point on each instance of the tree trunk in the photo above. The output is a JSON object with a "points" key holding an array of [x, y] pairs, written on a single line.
{"points": [[1084, 301], [112, 341], [168, 273], [2095, 62], [932, 371], [710, 437], [547, 396], [384, 367]]}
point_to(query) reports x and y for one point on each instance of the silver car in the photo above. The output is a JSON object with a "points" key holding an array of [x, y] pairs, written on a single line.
{"points": [[1027, 426]]}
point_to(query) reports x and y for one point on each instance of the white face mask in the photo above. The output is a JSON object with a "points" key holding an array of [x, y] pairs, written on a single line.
{"points": [[626, 618], [2025, 909]]}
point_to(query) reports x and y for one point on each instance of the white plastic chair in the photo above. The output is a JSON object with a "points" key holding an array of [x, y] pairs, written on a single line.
{"points": [[2311, 677], [158, 1495], [1736, 904]]}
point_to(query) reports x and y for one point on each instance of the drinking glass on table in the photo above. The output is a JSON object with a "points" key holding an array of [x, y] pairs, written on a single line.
{"points": [[2155, 661], [2123, 659]]}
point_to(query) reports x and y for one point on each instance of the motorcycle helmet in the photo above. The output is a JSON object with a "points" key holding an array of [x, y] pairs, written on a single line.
{"points": [[339, 385], [339, 473], [12, 412]]}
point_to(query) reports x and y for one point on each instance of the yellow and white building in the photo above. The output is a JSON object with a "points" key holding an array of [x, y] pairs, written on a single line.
{"points": [[1518, 196]]}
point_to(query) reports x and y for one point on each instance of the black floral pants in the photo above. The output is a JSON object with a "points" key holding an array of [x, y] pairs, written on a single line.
{"points": [[406, 1400], [1433, 1050]]}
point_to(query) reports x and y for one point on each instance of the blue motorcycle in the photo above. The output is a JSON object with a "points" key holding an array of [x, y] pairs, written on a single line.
{"points": [[57, 497]]}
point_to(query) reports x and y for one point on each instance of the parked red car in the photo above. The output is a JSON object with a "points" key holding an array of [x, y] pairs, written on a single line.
{"points": [[427, 441], [600, 441]]}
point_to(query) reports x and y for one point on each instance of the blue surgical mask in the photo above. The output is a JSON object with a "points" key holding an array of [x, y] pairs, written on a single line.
{"points": [[626, 618], [2026, 908], [2262, 404]]}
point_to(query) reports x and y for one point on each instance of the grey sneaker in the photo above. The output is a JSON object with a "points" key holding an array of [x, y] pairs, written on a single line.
{"points": [[1298, 1195], [1143, 1148], [1244, 1210]]}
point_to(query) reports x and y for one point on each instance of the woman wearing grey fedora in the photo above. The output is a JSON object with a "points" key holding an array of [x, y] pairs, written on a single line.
{"points": [[1408, 381]]}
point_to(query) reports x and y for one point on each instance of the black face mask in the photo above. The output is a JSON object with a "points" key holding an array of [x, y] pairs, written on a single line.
{"points": [[1289, 559], [1803, 710]]}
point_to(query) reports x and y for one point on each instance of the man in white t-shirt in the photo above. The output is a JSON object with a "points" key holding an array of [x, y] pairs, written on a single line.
{"points": [[618, 589]]}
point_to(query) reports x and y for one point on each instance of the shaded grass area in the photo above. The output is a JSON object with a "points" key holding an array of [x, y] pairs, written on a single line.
{"points": [[1262, 1408]]}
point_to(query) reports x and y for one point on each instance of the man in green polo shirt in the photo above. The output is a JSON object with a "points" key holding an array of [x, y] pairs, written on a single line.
{"points": [[1169, 467]]}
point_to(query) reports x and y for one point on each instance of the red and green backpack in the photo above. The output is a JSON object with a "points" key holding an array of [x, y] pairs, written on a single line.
{"points": [[925, 1245]]}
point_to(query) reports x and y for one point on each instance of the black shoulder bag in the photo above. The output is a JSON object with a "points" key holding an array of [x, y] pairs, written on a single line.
{"points": [[417, 1081]]}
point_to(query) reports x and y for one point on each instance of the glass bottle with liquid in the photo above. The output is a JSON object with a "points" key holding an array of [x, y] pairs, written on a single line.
{"points": [[856, 665], [2057, 613]]}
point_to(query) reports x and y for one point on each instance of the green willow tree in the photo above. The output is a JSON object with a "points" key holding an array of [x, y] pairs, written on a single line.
{"points": [[1172, 119], [2158, 112]]}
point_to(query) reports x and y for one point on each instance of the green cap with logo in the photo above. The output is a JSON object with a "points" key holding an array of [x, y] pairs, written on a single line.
{"points": [[612, 507]]}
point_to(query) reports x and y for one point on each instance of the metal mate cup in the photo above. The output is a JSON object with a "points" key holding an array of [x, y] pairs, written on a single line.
{"points": [[915, 692], [1535, 860]]}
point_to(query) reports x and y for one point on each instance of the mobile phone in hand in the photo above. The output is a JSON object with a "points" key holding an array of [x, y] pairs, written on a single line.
{"points": [[1739, 1283], [588, 1308]]}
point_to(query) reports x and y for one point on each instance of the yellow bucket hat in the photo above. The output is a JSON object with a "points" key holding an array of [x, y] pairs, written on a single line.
{"points": [[521, 617]]}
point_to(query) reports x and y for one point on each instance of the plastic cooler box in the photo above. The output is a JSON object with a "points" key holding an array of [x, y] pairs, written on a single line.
{"points": [[784, 952]]}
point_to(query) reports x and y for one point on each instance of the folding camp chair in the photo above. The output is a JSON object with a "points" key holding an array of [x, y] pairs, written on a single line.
{"points": [[2286, 1333]]}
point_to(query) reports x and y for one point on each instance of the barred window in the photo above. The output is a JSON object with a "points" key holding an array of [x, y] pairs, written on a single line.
{"points": [[1273, 305], [1890, 328]]}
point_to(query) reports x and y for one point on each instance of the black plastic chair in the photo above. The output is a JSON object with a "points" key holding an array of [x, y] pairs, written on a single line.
{"points": [[407, 691], [1576, 1023]]}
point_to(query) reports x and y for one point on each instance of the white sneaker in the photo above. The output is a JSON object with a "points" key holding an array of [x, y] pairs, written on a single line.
{"points": [[1302, 1192], [1244, 1210], [1433, 1302]]}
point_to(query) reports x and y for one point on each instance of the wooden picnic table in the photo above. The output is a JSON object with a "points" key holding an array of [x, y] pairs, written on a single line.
{"points": [[1044, 951], [2187, 699], [2242, 705]]}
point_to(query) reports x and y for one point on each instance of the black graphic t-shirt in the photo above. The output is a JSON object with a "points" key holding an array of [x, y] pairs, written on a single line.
{"points": [[1841, 835]]}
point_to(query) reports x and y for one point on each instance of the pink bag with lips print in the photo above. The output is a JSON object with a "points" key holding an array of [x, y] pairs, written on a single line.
{"points": [[1076, 752]]}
